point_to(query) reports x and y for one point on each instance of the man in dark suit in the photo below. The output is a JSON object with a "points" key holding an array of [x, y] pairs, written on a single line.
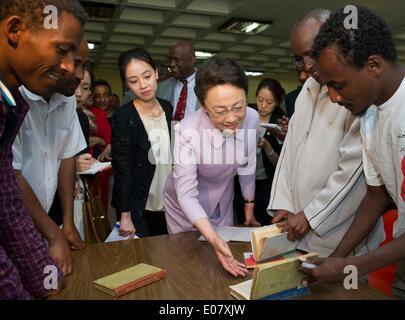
{"points": [[290, 98]]}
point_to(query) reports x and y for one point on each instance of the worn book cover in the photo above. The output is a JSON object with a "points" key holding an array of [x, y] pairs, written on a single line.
{"points": [[125, 281], [271, 278], [268, 242]]}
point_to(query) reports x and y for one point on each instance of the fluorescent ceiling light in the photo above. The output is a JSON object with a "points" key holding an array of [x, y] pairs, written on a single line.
{"points": [[245, 26], [91, 46], [254, 73], [250, 27], [203, 55]]}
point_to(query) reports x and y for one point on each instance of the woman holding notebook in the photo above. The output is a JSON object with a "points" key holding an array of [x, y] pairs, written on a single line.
{"points": [[211, 146]]}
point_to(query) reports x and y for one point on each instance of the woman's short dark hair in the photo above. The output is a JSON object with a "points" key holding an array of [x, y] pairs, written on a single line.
{"points": [[218, 71], [133, 54], [274, 86]]}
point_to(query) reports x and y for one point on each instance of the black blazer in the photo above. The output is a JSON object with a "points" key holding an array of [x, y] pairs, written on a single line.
{"points": [[133, 172], [290, 99], [271, 138], [85, 125]]}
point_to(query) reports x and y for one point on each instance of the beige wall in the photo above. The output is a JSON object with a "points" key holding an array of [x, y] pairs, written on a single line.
{"points": [[113, 77]]}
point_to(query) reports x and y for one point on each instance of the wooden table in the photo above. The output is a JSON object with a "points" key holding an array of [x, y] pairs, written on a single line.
{"points": [[193, 271]]}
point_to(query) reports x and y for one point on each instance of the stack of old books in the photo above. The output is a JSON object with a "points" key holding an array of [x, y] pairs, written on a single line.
{"points": [[276, 267]]}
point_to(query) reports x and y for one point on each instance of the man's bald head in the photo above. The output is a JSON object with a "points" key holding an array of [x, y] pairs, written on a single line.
{"points": [[303, 37], [182, 59]]}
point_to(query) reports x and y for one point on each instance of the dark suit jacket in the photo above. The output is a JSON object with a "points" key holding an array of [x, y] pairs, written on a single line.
{"points": [[133, 172], [290, 101], [271, 138], [84, 124]]}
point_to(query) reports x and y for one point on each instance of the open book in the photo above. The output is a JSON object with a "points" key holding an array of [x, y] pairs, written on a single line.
{"points": [[268, 242], [97, 167], [271, 278], [125, 281]]}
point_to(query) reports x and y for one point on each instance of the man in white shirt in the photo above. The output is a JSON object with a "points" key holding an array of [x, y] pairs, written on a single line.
{"points": [[44, 159], [319, 183], [361, 70]]}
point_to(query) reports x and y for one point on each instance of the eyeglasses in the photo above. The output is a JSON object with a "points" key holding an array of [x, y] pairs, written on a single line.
{"points": [[222, 114], [300, 62]]}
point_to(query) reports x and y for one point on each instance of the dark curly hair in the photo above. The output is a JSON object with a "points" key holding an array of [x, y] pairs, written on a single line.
{"points": [[33, 10], [373, 37]]}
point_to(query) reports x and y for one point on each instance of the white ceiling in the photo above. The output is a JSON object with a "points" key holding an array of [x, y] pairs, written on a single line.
{"points": [[156, 24]]}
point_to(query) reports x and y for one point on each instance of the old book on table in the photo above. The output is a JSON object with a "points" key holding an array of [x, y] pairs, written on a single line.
{"points": [[125, 281], [271, 278], [268, 242], [251, 263]]}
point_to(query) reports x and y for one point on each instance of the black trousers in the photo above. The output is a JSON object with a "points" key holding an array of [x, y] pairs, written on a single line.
{"points": [[150, 223], [262, 199]]}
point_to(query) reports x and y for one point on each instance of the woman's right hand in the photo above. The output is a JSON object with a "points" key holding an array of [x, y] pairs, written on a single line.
{"points": [[226, 258], [127, 228], [221, 248], [84, 162]]}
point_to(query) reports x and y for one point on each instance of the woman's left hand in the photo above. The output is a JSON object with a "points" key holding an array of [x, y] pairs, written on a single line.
{"points": [[106, 155], [250, 216]]}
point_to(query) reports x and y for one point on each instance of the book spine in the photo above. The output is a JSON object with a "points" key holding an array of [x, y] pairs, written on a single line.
{"points": [[139, 283]]}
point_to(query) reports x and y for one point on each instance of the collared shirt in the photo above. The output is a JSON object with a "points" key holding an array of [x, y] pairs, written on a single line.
{"points": [[205, 164], [23, 255], [50, 133], [191, 104], [383, 132], [320, 172]]}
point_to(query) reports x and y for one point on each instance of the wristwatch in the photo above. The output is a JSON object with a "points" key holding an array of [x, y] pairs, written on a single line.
{"points": [[249, 201]]}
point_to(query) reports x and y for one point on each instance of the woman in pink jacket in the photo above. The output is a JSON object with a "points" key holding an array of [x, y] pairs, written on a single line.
{"points": [[211, 146]]}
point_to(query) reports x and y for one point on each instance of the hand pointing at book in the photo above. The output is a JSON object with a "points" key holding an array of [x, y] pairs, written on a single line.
{"points": [[227, 260], [221, 248]]}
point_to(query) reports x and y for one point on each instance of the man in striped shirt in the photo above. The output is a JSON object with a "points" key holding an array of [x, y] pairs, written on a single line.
{"points": [[35, 55]]}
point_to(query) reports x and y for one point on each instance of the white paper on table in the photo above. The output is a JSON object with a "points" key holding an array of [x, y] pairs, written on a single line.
{"points": [[115, 235], [96, 167], [228, 233]]}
